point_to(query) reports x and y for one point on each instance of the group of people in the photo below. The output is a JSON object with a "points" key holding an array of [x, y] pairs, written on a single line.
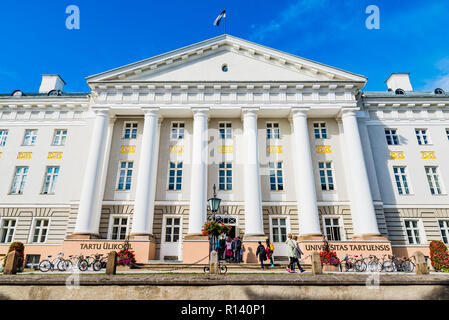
{"points": [[230, 249], [293, 250]]}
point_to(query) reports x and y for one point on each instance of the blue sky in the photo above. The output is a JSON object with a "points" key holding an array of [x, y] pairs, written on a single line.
{"points": [[413, 36]]}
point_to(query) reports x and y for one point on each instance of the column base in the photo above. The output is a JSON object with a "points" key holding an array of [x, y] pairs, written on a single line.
{"points": [[196, 236], [261, 237], [370, 236], [141, 236], [83, 236], [310, 236]]}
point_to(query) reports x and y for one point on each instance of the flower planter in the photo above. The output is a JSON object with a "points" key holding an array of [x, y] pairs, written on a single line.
{"points": [[123, 268], [330, 268]]}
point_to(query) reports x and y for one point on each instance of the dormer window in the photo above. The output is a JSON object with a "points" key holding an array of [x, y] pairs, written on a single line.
{"points": [[399, 91], [439, 91]]}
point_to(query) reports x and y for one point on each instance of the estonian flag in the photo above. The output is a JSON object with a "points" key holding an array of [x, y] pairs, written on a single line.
{"points": [[221, 15]]}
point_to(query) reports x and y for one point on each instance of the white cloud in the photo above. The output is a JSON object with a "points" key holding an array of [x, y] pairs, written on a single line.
{"points": [[442, 80]]}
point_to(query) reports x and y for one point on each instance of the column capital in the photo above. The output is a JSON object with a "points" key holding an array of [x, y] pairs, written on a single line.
{"points": [[200, 111], [298, 112], [348, 112], [102, 112], [150, 111]]}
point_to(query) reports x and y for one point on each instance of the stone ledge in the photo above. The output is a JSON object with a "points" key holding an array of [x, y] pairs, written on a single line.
{"points": [[229, 280]]}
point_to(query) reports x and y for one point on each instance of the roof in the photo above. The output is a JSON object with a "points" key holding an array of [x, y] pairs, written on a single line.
{"points": [[40, 95], [407, 94]]}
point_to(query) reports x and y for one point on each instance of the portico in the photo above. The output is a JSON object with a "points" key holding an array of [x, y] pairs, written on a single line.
{"points": [[175, 157]]}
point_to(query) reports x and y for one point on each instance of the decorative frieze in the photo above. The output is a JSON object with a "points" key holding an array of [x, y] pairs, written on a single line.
{"points": [[127, 149], [54, 155], [24, 155], [397, 155], [175, 149], [428, 155], [225, 149], [323, 149], [274, 149]]}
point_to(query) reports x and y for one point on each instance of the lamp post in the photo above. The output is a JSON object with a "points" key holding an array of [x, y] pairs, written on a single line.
{"points": [[214, 205]]}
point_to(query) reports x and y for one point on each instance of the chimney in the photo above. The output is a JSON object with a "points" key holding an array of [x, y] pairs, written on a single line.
{"points": [[400, 80], [51, 82]]}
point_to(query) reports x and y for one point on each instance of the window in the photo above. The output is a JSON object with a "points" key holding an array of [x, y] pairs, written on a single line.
{"points": [[225, 129], [279, 229], [320, 131], [51, 176], [447, 134], [276, 180], [59, 137], [175, 176], [433, 180], [32, 260], [392, 136], [4, 135], [130, 130], [412, 230], [119, 228], [40, 230], [30, 137], [273, 130], [421, 135], [125, 175], [18, 182], [7, 230], [326, 176], [444, 229], [225, 176], [400, 177], [332, 227], [172, 227], [177, 130]]}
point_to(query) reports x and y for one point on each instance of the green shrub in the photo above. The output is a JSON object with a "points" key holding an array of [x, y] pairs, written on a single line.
{"points": [[439, 255]]}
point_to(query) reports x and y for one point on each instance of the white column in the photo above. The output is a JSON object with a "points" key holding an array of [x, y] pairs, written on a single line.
{"points": [[89, 209], [147, 171], [253, 198], [309, 223], [198, 178], [362, 209]]}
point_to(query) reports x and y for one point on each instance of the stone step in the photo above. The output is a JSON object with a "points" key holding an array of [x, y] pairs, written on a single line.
{"points": [[230, 266]]}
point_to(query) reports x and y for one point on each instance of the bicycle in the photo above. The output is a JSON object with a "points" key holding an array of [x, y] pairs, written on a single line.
{"points": [[48, 264], [348, 263], [221, 267], [403, 264], [360, 264]]}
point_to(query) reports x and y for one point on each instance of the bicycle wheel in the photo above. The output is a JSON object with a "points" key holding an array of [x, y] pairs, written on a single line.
{"points": [[223, 269], [206, 269], [360, 266], [408, 266], [96, 266], [388, 266], [374, 266], [64, 265], [44, 265], [83, 265]]}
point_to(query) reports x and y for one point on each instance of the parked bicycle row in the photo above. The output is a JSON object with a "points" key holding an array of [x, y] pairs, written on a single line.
{"points": [[80, 262], [374, 264]]}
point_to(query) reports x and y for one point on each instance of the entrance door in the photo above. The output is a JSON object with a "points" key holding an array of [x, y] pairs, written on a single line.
{"points": [[171, 240], [278, 234], [229, 220]]}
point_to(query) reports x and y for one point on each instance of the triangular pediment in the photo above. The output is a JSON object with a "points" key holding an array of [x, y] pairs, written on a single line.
{"points": [[245, 61]]}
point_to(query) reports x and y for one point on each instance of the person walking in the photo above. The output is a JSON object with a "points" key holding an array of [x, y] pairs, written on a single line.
{"points": [[270, 250], [291, 247], [228, 250], [298, 253], [238, 250], [222, 245], [262, 253]]}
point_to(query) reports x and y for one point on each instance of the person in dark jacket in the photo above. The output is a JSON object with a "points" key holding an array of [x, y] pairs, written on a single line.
{"points": [[262, 253]]}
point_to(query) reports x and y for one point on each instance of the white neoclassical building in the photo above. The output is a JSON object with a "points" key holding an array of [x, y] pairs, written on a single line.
{"points": [[292, 146]]}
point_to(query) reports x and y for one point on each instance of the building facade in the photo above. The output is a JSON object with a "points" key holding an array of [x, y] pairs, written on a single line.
{"points": [[292, 146]]}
